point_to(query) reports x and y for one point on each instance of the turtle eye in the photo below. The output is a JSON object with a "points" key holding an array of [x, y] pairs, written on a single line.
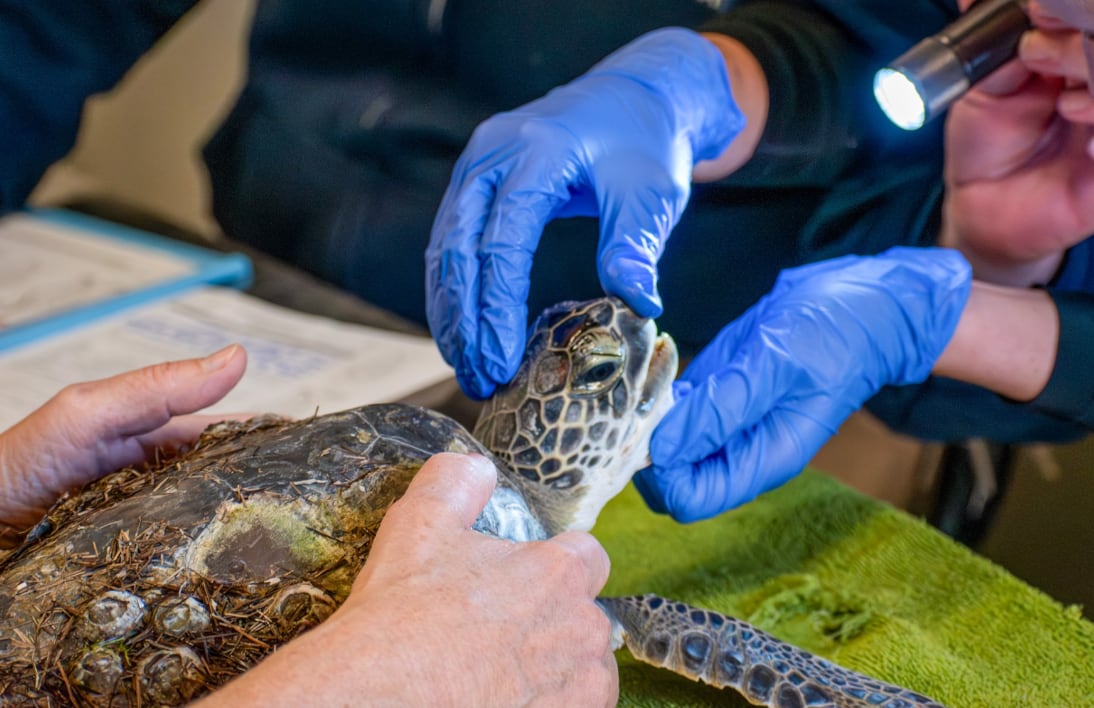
{"points": [[596, 361], [595, 373]]}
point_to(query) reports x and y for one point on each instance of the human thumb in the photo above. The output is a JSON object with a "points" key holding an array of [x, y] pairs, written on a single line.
{"points": [[449, 491]]}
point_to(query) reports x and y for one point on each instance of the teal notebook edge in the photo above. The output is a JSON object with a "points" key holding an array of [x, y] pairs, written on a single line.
{"points": [[210, 267]]}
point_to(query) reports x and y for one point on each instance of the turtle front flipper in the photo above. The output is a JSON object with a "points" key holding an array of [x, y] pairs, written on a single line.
{"points": [[727, 652]]}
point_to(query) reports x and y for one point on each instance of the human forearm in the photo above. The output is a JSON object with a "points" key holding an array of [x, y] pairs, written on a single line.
{"points": [[328, 666], [749, 84], [1005, 341]]}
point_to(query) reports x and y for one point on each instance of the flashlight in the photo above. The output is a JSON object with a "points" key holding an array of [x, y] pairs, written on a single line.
{"points": [[921, 83]]}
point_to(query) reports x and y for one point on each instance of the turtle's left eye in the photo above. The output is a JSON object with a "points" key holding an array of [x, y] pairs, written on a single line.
{"points": [[596, 361], [595, 373]]}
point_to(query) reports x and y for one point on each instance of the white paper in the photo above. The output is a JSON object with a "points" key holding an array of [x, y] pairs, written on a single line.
{"points": [[47, 268], [298, 364]]}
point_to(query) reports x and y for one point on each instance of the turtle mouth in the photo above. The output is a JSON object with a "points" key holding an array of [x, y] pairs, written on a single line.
{"points": [[660, 373]]}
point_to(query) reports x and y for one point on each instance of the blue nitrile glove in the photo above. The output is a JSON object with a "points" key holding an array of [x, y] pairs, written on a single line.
{"points": [[620, 142], [759, 401]]}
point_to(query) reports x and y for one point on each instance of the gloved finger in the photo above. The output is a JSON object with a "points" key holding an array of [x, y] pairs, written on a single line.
{"points": [[720, 406], [646, 482], [524, 204], [699, 424], [690, 492], [640, 204], [754, 461], [728, 342], [692, 413], [453, 280]]}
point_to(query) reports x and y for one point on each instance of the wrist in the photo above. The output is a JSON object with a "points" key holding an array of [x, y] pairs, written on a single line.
{"points": [[1005, 341], [337, 662], [22, 498], [750, 91], [991, 259], [929, 288]]}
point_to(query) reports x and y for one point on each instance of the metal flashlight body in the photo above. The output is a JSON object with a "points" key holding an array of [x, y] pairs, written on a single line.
{"points": [[922, 83]]}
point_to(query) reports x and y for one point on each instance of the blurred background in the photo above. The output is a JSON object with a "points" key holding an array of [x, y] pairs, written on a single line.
{"points": [[139, 145], [139, 148]]}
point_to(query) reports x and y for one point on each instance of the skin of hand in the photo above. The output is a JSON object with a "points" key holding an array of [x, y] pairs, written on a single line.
{"points": [[1019, 168], [442, 615], [620, 142], [90, 429], [1014, 360]]}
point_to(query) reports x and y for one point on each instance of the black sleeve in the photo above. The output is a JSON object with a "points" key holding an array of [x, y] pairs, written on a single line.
{"points": [[504, 52], [1069, 393], [53, 55], [819, 59], [346, 35]]}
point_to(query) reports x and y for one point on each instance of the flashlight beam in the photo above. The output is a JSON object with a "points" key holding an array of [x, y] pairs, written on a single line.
{"points": [[942, 67]]}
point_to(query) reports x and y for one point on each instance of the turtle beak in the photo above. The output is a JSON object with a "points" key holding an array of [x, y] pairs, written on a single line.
{"points": [[664, 361]]}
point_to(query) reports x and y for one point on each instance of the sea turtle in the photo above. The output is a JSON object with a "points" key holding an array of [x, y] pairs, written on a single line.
{"points": [[155, 586]]}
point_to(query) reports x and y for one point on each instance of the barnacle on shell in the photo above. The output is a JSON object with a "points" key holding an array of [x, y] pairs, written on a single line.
{"points": [[98, 671], [113, 615], [171, 676], [180, 617], [300, 606]]}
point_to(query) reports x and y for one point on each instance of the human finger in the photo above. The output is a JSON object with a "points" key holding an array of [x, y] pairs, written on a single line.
{"points": [[183, 430], [592, 556], [449, 492], [1005, 80], [137, 402], [1044, 17], [611, 667], [92, 428], [1076, 105], [1055, 54]]}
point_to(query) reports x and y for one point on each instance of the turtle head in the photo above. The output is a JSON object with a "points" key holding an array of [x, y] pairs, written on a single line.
{"points": [[574, 424]]}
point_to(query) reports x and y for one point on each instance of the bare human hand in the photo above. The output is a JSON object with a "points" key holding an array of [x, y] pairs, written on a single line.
{"points": [[90, 429], [1019, 171], [443, 616]]}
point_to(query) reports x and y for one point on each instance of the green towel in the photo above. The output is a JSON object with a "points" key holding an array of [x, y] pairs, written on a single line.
{"points": [[860, 583]]}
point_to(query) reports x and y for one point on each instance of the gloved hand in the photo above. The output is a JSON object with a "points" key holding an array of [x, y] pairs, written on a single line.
{"points": [[759, 401], [620, 142]]}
